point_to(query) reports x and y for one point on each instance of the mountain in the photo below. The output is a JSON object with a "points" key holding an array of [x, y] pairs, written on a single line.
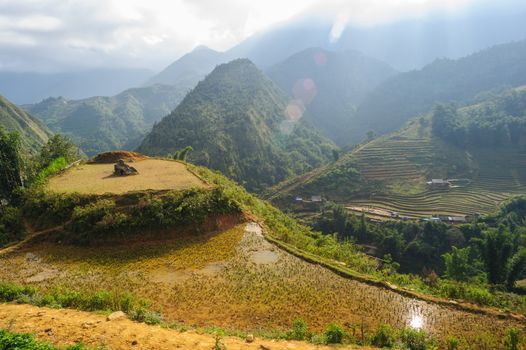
{"points": [[26, 88], [190, 68], [406, 95], [480, 148], [34, 134], [235, 120], [405, 44], [336, 83], [100, 124]]}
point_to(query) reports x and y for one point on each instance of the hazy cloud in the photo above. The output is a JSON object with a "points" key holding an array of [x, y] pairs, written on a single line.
{"points": [[51, 35]]}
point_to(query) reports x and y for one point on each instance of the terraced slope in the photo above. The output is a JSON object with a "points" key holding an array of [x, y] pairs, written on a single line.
{"points": [[392, 172], [404, 163]]}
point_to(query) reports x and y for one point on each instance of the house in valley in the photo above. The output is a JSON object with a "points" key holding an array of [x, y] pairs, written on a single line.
{"points": [[438, 183]]}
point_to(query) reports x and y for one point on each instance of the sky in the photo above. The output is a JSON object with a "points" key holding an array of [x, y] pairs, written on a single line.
{"points": [[61, 35]]}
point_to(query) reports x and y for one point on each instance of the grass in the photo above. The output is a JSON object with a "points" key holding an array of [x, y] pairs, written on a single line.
{"points": [[154, 174]]}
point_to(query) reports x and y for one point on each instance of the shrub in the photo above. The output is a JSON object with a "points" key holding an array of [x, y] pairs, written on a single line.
{"points": [[334, 334], [452, 343], [15, 341], [11, 292], [512, 339], [416, 339], [384, 337], [11, 228], [299, 331]]}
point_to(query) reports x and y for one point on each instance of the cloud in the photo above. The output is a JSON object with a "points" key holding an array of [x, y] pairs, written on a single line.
{"points": [[50, 35]]}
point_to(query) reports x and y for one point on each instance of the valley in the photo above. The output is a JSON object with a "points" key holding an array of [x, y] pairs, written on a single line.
{"points": [[263, 176]]}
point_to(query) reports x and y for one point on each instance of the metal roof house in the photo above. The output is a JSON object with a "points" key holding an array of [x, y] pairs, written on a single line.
{"points": [[438, 183]]}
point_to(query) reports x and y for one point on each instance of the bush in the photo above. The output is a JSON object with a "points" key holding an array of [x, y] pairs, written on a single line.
{"points": [[416, 339], [452, 343], [300, 330], [384, 337], [334, 334], [11, 292], [11, 227], [512, 339], [15, 341]]}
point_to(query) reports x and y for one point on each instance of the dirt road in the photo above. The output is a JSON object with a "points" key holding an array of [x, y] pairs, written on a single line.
{"points": [[64, 327]]}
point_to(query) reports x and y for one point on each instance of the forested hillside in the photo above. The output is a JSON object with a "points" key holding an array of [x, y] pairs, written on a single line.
{"points": [[34, 134], [406, 95], [478, 147], [499, 120], [330, 85], [236, 122], [100, 124]]}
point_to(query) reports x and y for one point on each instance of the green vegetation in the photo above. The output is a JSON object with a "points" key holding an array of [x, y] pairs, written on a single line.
{"points": [[99, 124], [235, 122], [89, 218], [33, 133], [17, 341], [407, 95], [62, 297], [330, 85], [58, 146], [11, 168], [499, 120]]}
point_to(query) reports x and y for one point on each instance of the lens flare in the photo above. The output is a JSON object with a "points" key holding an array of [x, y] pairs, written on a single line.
{"points": [[304, 90], [320, 58]]}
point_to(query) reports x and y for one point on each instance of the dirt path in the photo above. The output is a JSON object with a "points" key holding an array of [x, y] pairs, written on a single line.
{"points": [[30, 234], [64, 327]]}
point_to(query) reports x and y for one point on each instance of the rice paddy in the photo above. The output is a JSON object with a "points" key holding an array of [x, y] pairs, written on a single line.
{"points": [[154, 174], [403, 163], [235, 279]]}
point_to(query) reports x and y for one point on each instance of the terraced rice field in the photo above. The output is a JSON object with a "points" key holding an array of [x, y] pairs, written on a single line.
{"points": [[236, 279], [403, 163]]}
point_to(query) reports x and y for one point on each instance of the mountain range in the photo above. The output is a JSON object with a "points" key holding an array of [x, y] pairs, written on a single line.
{"points": [[330, 85], [237, 121], [406, 95], [31, 87], [99, 124]]}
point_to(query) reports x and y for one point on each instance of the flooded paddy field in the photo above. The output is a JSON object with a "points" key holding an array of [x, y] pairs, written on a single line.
{"points": [[237, 280]]}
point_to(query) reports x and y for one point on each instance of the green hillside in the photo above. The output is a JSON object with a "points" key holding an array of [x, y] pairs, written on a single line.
{"points": [[409, 94], [34, 133], [340, 81], [100, 123], [390, 173], [235, 120]]}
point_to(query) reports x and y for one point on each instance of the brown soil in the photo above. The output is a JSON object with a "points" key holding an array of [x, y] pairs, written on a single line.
{"points": [[154, 174], [65, 327], [114, 156]]}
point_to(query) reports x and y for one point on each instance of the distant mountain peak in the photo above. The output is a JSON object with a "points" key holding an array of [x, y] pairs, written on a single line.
{"points": [[235, 121]]}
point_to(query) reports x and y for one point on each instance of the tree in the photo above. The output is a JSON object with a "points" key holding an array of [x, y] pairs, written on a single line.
{"points": [[10, 164], [496, 247], [458, 266], [56, 147], [516, 268], [183, 154]]}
